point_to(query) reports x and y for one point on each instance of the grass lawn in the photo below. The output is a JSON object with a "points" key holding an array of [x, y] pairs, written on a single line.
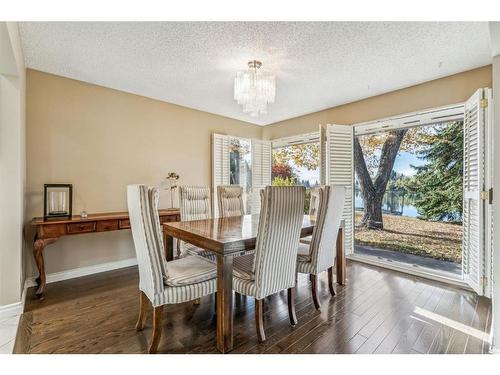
{"points": [[409, 235]]}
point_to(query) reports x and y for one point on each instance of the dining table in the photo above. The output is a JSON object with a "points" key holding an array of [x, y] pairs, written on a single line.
{"points": [[226, 238]]}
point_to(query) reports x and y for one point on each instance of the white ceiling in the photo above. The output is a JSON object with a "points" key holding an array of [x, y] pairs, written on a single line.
{"points": [[317, 64]]}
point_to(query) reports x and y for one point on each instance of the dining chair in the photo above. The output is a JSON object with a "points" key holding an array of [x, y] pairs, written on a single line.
{"points": [[272, 268], [162, 282], [194, 205], [319, 255], [230, 199], [313, 208]]}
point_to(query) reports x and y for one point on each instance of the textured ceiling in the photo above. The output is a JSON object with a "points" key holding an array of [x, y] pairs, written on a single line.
{"points": [[317, 64]]}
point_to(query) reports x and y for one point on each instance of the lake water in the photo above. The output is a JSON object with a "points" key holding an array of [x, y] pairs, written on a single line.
{"points": [[393, 206]]}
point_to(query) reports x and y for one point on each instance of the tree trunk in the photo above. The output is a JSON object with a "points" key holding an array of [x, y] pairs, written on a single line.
{"points": [[373, 191], [372, 218]]}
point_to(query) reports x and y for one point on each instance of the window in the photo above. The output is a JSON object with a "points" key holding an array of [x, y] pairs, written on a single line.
{"points": [[244, 162], [240, 167], [296, 161]]}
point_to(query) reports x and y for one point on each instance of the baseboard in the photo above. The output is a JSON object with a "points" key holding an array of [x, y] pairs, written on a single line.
{"points": [[83, 271], [13, 309]]}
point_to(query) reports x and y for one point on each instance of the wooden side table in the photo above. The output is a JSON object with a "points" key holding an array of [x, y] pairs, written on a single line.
{"points": [[49, 231]]}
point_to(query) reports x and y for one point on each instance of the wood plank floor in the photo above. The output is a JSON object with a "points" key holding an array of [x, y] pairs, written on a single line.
{"points": [[378, 311]]}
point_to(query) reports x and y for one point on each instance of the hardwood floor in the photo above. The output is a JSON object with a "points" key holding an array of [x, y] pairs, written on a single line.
{"points": [[378, 311]]}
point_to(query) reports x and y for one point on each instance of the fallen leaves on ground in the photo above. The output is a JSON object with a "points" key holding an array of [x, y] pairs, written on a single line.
{"points": [[438, 240]]}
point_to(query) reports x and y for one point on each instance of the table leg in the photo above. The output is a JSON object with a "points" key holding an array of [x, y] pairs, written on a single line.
{"points": [[341, 263], [224, 303], [38, 248], [168, 244]]}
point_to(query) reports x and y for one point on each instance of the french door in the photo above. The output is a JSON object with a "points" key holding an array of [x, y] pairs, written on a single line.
{"points": [[477, 209], [337, 166]]}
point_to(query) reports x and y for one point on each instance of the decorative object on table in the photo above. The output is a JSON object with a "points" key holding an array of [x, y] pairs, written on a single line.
{"points": [[172, 179], [254, 89], [83, 214], [57, 201]]}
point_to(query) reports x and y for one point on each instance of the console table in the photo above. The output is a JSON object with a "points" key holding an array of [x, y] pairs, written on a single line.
{"points": [[49, 231]]}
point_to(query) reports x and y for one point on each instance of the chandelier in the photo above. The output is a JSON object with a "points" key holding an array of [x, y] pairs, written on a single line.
{"points": [[254, 89]]}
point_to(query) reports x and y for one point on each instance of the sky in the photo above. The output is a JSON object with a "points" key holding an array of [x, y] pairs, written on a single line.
{"points": [[403, 163], [306, 174]]}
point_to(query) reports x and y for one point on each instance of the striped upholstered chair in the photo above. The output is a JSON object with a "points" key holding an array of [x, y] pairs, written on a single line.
{"points": [[319, 255], [162, 283], [230, 199], [195, 205], [313, 209], [273, 266]]}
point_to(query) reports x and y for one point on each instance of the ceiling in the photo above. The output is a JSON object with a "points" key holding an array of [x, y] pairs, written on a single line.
{"points": [[318, 65]]}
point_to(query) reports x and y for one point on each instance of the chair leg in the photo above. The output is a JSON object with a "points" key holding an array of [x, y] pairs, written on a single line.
{"points": [[259, 319], [215, 303], [291, 306], [330, 281], [157, 328], [314, 289], [143, 305]]}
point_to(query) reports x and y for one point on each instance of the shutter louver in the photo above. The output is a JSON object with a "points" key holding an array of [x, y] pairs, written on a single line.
{"points": [[261, 171], [220, 166], [322, 155], [339, 172]]}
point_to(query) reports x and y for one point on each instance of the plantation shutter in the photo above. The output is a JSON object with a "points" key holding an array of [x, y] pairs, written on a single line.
{"points": [[261, 170], [339, 171], [477, 222], [220, 166], [322, 155]]}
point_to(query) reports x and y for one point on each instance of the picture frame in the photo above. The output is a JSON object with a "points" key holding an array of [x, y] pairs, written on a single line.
{"points": [[57, 201]]}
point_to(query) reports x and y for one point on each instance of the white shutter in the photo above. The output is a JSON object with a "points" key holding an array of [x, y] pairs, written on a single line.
{"points": [[322, 154], [476, 213], [220, 166], [339, 171], [261, 170]]}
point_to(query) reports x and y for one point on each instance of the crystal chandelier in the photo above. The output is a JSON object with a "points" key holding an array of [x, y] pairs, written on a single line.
{"points": [[254, 89]]}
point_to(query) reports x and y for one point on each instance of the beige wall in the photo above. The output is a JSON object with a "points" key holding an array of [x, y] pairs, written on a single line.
{"points": [[449, 90], [101, 140], [12, 164]]}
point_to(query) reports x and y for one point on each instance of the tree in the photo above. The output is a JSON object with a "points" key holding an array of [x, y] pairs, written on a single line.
{"points": [[304, 155], [287, 181], [439, 182], [283, 171], [372, 191]]}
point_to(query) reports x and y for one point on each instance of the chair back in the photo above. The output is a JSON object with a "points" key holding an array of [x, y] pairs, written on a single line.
{"points": [[280, 223], [314, 201], [328, 221], [195, 203], [145, 223], [230, 198]]}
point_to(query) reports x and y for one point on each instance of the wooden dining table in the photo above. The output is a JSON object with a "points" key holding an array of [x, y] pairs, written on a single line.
{"points": [[226, 238]]}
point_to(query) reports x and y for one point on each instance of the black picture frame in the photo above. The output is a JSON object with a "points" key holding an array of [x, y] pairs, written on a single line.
{"points": [[67, 214]]}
